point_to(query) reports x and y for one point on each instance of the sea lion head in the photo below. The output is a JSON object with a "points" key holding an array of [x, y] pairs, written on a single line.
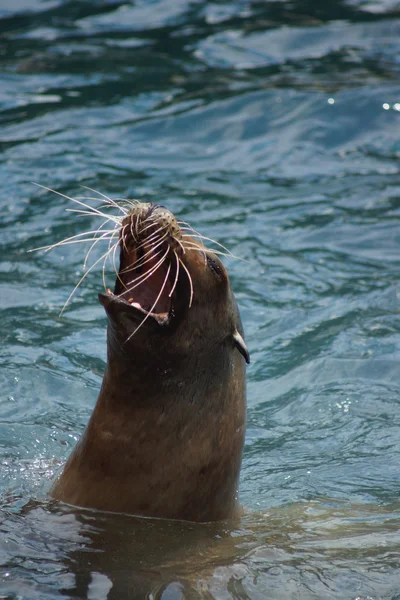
{"points": [[172, 294]]}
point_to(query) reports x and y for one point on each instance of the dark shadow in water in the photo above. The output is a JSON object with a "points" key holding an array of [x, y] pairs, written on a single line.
{"points": [[117, 556], [297, 551]]}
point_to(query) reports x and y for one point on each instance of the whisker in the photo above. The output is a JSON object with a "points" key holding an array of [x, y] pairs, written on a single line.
{"points": [[202, 249], [70, 240], [109, 201], [151, 237], [152, 225], [134, 266], [131, 229], [114, 261], [121, 203], [185, 223], [97, 240], [190, 283], [99, 206], [80, 281], [128, 203], [146, 275], [203, 237], [153, 243], [79, 211], [123, 237], [136, 281], [180, 244], [93, 210], [46, 248], [206, 250], [176, 275], [155, 302], [117, 233], [140, 262], [110, 249], [186, 227]]}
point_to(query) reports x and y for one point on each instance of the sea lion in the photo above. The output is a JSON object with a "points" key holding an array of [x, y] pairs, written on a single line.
{"points": [[166, 436]]}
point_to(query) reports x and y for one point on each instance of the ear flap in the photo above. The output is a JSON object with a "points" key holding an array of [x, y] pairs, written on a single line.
{"points": [[241, 346]]}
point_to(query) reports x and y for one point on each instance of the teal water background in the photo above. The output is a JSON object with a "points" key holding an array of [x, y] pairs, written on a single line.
{"points": [[273, 127]]}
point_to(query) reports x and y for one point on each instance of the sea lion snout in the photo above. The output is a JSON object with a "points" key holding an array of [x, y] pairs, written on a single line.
{"points": [[152, 222]]}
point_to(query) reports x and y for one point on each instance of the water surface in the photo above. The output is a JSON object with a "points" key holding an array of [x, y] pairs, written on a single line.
{"points": [[272, 127]]}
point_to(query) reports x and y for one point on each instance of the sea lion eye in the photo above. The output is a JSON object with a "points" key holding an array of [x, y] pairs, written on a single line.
{"points": [[214, 266]]}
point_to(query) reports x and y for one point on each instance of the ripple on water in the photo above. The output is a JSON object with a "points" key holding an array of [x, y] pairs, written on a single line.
{"points": [[273, 128]]}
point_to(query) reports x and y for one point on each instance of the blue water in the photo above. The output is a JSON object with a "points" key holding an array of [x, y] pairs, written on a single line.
{"points": [[273, 127]]}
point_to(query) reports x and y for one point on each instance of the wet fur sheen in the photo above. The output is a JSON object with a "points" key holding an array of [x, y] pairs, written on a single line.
{"points": [[166, 436]]}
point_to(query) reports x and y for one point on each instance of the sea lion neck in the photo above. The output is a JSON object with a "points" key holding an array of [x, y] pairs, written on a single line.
{"points": [[169, 386], [169, 369]]}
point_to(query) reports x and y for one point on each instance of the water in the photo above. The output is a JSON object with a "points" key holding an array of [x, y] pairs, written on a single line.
{"points": [[274, 128]]}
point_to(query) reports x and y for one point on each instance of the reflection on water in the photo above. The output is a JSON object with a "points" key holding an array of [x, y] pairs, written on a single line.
{"points": [[301, 551], [273, 128]]}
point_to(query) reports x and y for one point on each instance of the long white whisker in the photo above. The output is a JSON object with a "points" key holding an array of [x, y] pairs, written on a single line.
{"points": [[180, 244], [120, 205], [109, 201], [97, 240], [100, 203], [90, 208], [151, 239], [123, 237], [110, 250], [155, 303], [206, 250], [70, 240], [81, 213], [140, 261], [176, 275], [80, 281], [190, 283], [46, 248], [114, 261], [116, 229], [131, 229], [203, 249], [130, 204], [203, 237], [152, 225], [181, 222], [141, 278]]}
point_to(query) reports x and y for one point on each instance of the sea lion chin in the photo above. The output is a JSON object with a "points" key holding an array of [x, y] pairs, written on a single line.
{"points": [[166, 436]]}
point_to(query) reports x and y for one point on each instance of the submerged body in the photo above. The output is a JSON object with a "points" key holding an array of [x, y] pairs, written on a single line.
{"points": [[166, 436]]}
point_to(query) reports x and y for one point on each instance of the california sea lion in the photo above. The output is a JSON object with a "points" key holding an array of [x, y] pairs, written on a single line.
{"points": [[165, 438]]}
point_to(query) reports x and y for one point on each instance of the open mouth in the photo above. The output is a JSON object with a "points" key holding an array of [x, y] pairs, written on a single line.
{"points": [[147, 279]]}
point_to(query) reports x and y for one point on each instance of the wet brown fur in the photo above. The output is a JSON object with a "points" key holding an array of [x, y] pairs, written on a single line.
{"points": [[166, 436]]}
